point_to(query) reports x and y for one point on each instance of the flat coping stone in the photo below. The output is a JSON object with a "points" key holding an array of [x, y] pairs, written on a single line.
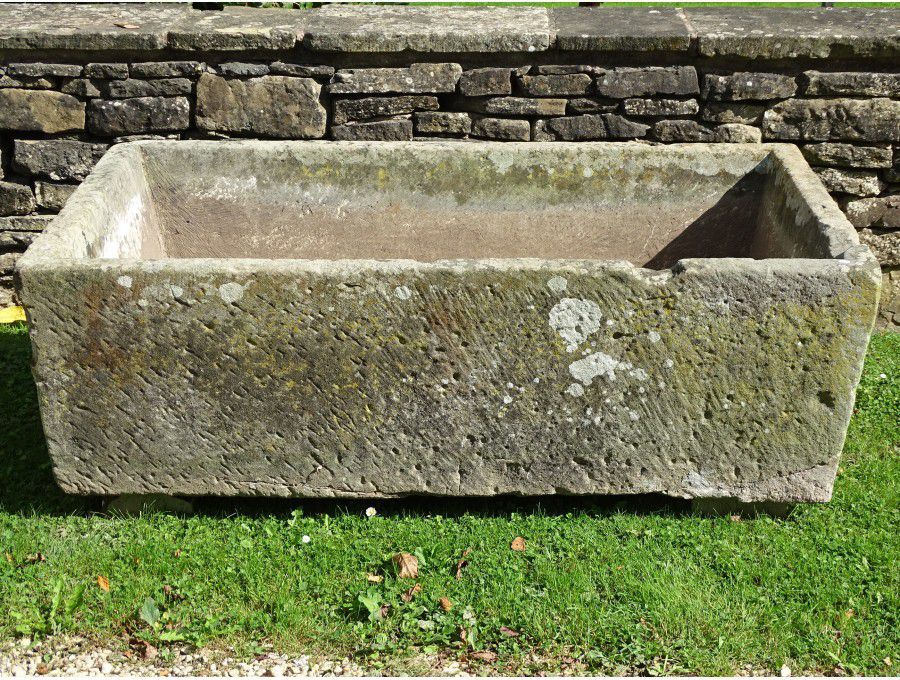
{"points": [[620, 29], [776, 33], [368, 28]]}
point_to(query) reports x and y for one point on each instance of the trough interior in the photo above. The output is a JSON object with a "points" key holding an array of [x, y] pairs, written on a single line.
{"points": [[648, 205]]}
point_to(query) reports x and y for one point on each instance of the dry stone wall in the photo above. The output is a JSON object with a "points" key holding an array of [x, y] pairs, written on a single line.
{"points": [[75, 80]]}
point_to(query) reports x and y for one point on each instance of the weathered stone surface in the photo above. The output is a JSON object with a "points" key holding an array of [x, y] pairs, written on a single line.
{"points": [[166, 69], [8, 263], [163, 87], [241, 69], [18, 240], [16, 199], [855, 182], [587, 127], [588, 105], [274, 106], [710, 333], [418, 78], [107, 70], [848, 155], [520, 106], [56, 159], [479, 82], [442, 123], [618, 127], [852, 84], [110, 118], [882, 213], [556, 85], [735, 133], [301, 70], [889, 310], [778, 33], [505, 129], [81, 87], [625, 82], [41, 70], [52, 196], [818, 120], [40, 111], [620, 29], [744, 85], [396, 130], [393, 28], [25, 222], [660, 107], [682, 131], [559, 70], [885, 245], [238, 29], [368, 108], [27, 83], [747, 114]]}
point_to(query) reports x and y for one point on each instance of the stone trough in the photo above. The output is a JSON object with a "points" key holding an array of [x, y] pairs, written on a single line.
{"points": [[356, 319]]}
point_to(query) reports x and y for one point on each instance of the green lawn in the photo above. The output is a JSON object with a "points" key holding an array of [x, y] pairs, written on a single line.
{"points": [[611, 585]]}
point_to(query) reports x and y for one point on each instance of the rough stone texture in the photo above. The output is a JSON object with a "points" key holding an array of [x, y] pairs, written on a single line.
{"points": [[472, 376], [855, 182], [889, 311], [884, 244], [660, 107], [818, 120], [621, 83], [853, 84], [302, 70], [587, 105], [18, 240], [25, 222], [555, 85], [620, 29], [26, 82], [107, 70], [16, 199], [848, 155], [746, 114], [378, 107], [164, 87], [40, 111], [883, 213], [52, 196], [240, 69], [38, 70], [109, 118], [273, 106], [361, 28], [682, 131], [481, 82], [589, 126], [56, 159], [238, 29], [82, 87], [520, 106], [618, 127], [757, 86], [505, 129], [418, 78], [166, 69], [396, 130], [735, 133], [442, 123]]}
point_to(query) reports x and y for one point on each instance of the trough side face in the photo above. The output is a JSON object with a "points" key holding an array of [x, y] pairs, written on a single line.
{"points": [[717, 378]]}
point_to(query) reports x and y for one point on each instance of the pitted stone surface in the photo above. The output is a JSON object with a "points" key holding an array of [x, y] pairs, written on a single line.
{"points": [[40, 111], [383, 377], [620, 29], [418, 78], [819, 120]]}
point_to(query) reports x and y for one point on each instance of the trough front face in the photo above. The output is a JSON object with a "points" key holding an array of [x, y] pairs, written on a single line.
{"points": [[355, 319]]}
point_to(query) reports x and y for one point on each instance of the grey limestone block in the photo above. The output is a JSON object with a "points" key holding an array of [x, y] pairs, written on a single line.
{"points": [[744, 85], [660, 107], [725, 112], [418, 78], [682, 131], [393, 130], [884, 244], [368, 108], [624, 82], [848, 155], [852, 84], [519, 106], [882, 213], [52, 196], [736, 133], [855, 182], [301, 70], [820, 120], [41, 70], [16, 199], [507, 129], [106, 70], [166, 69], [573, 84], [442, 123], [114, 117], [481, 82], [162, 87], [40, 111], [56, 159]]}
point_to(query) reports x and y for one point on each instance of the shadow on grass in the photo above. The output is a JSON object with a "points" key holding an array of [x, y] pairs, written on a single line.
{"points": [[27, 485]]}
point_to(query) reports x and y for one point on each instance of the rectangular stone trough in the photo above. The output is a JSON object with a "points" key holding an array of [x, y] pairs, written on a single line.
{"points": [[358, 319]]}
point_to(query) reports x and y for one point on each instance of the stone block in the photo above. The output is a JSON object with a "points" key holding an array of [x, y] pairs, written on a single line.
{"points": [[682, 131], [475, 360], [367, 108], [625, 82], [855, 182], [53, 196], [25, 222], [110, 118], [27, 82], [273, 106], [106, 70], [41, 70], [163, 87], [16, 199], [820, 120], [881, 213], [746, 114], [238, 29], [505, 129], [589, 105], [84, 88], [442, 123], [555, 85], [587, 127], [479, 82], [166, 69], [395, 130], [884, 244], [620, 29], [16, 240], [40, 111], [852, 84], [744, 85], [416, 79], [56, 159], [660, 107], [241, 69], [735, 133], [848, 155], [301, 70], [519, 106]]}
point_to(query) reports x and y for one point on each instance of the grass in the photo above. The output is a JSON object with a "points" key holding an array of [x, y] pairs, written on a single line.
{"points": [[638, 586]]}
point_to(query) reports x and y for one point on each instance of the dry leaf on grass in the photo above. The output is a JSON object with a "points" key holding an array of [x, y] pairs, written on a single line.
{"points": [[462, 564], [407, 565], [411, 593], [485, 655], [446, 604], [509, 632], [103, 583], [374, 578], [518, 544]]}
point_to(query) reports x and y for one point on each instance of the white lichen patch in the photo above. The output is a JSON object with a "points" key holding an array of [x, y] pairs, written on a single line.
{"points": [[653, 336], [557, 284], [231, 292], [575, 390], [402, 292], [124, 281], [575, 320], [601, 364]]}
